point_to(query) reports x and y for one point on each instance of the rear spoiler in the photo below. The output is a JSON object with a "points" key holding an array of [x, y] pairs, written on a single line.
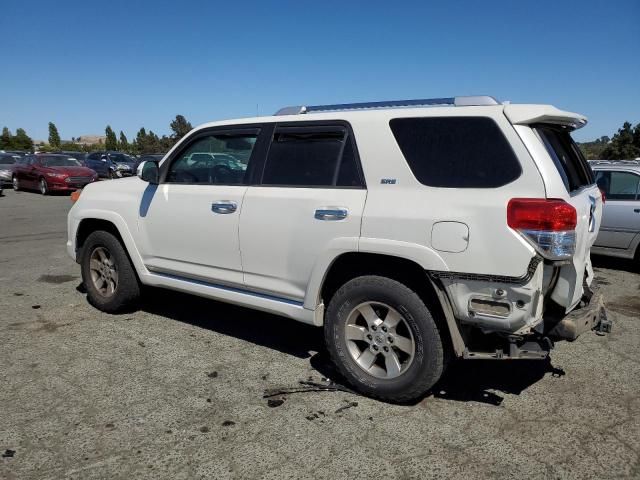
{"points": [[519, 114]]}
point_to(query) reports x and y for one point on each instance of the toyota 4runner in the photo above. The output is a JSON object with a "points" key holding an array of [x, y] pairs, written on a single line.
{"points": [[412, 231]]}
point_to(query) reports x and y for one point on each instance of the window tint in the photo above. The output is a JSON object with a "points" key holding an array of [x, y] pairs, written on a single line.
{"points": [[618, 185], [456, 152], [571, 164], [311, 157], [218, 158]]}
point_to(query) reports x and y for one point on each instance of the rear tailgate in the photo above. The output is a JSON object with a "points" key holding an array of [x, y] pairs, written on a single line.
{"points": [[568, 176]]}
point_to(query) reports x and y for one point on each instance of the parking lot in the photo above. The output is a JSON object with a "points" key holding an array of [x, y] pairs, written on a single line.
{"points": [[192, 388]]}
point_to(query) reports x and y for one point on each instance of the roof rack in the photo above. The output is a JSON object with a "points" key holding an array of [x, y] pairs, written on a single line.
{"points": [[476, 100]]}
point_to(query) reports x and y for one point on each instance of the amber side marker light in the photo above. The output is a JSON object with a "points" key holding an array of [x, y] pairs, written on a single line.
{"points": [[75, 195]]}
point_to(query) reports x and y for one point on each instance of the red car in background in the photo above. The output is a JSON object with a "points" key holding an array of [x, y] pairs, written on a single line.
{"points": [[49, 172]]}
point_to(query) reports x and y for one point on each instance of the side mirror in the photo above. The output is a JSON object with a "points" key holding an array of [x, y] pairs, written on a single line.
{"points": [[149, 172]]}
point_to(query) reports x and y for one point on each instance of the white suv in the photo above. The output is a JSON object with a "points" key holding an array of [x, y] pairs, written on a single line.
{"points": [[413, 232]]}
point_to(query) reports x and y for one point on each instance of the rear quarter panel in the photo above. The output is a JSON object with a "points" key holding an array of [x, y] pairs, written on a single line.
{"points": [[404, 212]]}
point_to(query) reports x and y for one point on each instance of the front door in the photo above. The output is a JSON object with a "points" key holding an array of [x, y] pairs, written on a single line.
{"points": [[309, 202], [621, 213], [189, 222]]}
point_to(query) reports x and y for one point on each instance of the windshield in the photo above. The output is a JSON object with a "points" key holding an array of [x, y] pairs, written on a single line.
{"points": [[59, 162], [121, 158]]}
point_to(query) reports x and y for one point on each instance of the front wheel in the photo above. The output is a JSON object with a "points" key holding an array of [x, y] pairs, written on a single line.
{"points": [[108, 276], [383, 339], [15, 183]]}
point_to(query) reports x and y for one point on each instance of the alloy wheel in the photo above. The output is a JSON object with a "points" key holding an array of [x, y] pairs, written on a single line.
{"points": [[16, 183], [104, 273], [43, 186], [379, 340]]}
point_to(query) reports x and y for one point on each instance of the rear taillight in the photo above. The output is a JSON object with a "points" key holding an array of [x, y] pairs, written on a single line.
{"points": [[548, 224]]}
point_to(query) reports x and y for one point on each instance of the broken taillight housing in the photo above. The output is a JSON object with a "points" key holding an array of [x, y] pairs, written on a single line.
{"points": [[548, 224]]}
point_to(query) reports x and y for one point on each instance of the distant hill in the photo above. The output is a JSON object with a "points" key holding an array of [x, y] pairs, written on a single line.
{"points": [[90, 139]]}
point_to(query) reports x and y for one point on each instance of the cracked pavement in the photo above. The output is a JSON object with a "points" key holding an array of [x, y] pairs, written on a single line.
{"points": [[175, 390]]}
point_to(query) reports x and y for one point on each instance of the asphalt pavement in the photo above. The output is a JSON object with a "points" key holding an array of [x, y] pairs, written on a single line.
{"points": [[191, 388]]}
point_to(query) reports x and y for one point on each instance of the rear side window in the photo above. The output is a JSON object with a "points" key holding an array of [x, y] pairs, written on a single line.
{"points": [[571, 164], [311, 157], [456, 152]]}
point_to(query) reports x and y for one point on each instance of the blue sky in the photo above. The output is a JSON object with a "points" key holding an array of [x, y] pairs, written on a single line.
{"points": [[84, 64]]}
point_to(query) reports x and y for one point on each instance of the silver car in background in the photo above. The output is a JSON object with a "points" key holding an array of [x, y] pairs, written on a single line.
{"points": [[619, 235], [7, 161]]}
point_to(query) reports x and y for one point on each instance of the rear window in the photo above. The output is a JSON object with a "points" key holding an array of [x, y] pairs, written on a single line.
{"points": [[456, 152], [567, 157]]}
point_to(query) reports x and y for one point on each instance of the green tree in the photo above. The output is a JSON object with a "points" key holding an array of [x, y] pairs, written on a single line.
{"points": [[22, 141], [636, 136], [622, 145], [54, 136], [123, 144], [6, 139], [180, 127], [111, 142]]}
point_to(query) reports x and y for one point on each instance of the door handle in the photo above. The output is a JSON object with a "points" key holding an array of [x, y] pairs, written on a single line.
{"points": [[224, 206], [331, 213]]}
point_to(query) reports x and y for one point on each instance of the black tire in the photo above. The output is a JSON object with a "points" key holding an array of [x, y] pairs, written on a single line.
{"points": [[127, 290], [43, 187], [15, 183], [427, 365]]}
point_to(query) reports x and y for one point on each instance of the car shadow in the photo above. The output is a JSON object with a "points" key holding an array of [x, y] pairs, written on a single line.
{"points": [[614, 263], [465, 380], [271, 331]]}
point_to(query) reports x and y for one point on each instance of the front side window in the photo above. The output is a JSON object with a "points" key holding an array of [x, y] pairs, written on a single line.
{"points": [[456, 152], [215, 158], [618, 185], [311, 157]]}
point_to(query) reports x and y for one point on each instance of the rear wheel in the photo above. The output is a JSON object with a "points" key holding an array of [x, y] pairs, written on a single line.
{"points": [[109, 278], [383, 339], [44, 188]]}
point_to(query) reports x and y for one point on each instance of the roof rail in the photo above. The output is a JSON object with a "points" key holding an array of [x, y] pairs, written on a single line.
{"points": [[614, 162], [476, 100]]}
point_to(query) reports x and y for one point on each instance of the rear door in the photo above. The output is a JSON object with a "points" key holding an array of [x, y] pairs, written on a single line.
{"points": [[621, 213], [585, 197], [30, 173], [309, 200]]}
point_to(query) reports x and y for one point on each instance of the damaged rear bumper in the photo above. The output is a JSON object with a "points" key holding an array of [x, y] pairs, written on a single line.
{"points": [[591, 314]]}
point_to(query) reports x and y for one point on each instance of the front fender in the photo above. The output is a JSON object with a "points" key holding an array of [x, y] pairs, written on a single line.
{"points": [[76, 219]]}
